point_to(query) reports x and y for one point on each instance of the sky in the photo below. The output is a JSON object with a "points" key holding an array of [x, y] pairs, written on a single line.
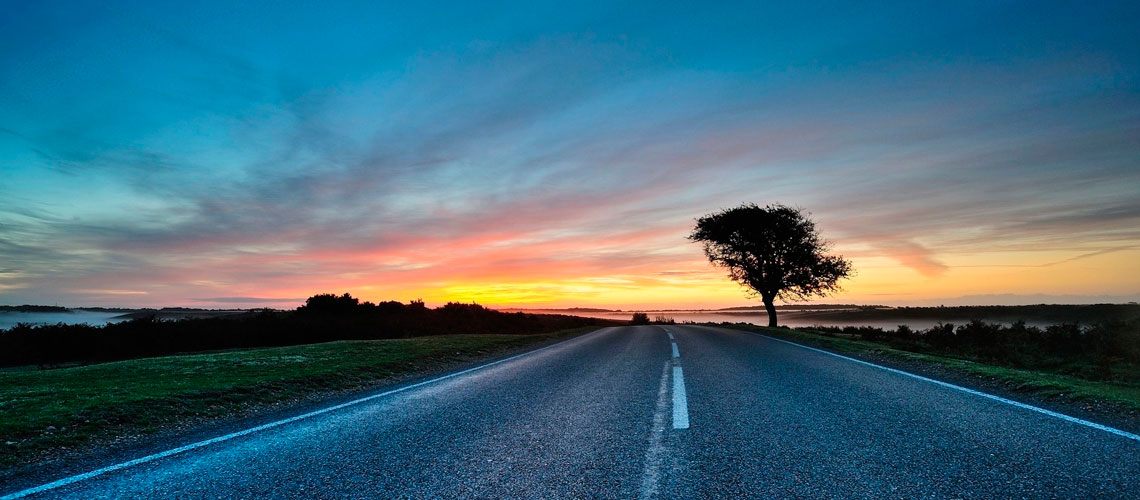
{"points": [[242, 154]]}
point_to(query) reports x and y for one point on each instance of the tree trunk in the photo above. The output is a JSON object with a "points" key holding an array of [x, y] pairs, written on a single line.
{"points": [[771, 312]]}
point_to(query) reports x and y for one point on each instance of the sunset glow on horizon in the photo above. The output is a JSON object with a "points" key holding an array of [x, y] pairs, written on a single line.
{"points": [[543, 157]]}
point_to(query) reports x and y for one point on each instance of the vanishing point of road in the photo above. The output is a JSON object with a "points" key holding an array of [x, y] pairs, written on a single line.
{"points": [[646, 412]]}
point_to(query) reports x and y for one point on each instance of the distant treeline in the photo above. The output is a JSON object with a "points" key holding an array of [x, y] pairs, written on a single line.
{"points": [[26, 308], [323, 318], [1053, 313], [1104, 350], [807, 307]]}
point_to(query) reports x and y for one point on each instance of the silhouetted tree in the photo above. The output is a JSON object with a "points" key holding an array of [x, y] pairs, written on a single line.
{"points": [[639, 318], [774, 251], [327, 303]]}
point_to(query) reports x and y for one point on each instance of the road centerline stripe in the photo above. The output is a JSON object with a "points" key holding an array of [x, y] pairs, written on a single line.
{"points": [[680, 400], [676, 353]]}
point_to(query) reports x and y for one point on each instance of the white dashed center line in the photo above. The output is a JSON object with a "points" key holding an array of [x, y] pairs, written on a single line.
{"points": [[680, 401]]}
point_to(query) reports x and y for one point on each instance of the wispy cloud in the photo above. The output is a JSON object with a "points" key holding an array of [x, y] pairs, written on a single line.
{"points": [[205, 164]]}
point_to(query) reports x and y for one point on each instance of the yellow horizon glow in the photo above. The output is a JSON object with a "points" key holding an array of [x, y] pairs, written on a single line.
{"points": [[879, 280]]}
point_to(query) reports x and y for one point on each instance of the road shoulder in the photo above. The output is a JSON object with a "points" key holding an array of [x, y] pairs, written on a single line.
{"points": [[131, 441], [1009, 383]]}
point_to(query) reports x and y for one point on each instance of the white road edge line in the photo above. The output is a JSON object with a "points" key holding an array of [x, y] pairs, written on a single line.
{"points": [[999, 399], [150, 458], [676, 353], [680, 401]]}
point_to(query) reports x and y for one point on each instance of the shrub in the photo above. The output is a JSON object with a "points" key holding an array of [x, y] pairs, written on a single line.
{"points": [[323, 318], [1109, 349]]}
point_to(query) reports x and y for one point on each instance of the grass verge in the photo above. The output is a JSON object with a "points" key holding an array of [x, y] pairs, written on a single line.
{"points": [[1121, 395], [46, 413]]}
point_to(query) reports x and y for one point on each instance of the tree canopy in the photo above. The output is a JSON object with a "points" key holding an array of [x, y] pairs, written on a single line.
{"points": [[774, 251]]}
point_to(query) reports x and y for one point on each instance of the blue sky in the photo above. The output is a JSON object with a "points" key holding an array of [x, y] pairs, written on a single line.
{"points": [[207, 154]]}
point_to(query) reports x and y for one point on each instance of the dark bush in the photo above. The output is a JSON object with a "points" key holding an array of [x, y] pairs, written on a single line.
{"points": [[323, 318], [327, 303], [1098, 351], [639, 319]]}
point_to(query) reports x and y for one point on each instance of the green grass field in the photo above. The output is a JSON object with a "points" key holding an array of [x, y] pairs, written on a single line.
{"points": [[1031, 382], [42, 411]]}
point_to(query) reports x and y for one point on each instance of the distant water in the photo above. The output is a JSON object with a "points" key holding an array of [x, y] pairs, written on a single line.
{"points": [[77, 316], [787, 318]]}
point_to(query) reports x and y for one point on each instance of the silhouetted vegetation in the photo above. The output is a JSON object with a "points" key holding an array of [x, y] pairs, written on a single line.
{"points": [[664, 320], [1041, 313], [26, 308], [1100, 351], [639, 318], [323, 318], [808, 307], [775, 251]]}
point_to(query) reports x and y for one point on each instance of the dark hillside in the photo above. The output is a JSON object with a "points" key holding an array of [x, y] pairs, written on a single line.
{"points": [[323, 318]]}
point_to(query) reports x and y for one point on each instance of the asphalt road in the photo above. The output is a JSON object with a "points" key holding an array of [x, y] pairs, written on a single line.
{"points": [[622, 413]]}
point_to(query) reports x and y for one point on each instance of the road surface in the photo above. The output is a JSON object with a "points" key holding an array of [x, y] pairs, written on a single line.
{"points": [[649, 412]]}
